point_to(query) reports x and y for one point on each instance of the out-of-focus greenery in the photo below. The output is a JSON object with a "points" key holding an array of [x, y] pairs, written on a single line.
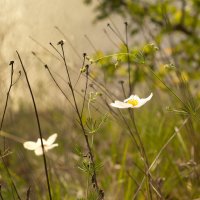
{"points": [[173, 25], [165, 61]]}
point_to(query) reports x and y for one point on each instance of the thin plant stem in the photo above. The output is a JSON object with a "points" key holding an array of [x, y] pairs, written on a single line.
{"points": [[123, 90], [10, 177], [143, 153], [108, 56], [6, 103], [94, 177], [133, 119], [131, 133], [55, 49], [54, 80], [168, 88], [1, 125], [39, 127], [90, 42], [166, 144], [110, 39], [43, 47], [68, 41], [86, 84], [116, 32], [158, 155], [128, 56], [136, 182], [52, 76]]}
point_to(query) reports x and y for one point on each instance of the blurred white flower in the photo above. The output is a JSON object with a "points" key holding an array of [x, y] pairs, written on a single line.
{"points": [[132, 102], [37, 146]]}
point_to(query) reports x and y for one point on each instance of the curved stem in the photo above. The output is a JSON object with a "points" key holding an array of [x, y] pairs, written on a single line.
{"points": [[39, 127], [94, 177]]}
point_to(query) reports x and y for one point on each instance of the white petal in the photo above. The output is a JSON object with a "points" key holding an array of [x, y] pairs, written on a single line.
{"points": [[119, 104], [30, 145], [52, 139], [132, 97], [143, 101], [38, 151], [50, 147], [39, 143]]}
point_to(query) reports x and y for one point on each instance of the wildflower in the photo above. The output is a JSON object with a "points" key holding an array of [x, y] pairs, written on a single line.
{"points": [[132, 102], [37, 146]]}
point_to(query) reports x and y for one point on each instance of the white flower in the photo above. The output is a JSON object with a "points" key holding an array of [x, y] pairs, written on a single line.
{"points": [[37, 146], [132, 102]]}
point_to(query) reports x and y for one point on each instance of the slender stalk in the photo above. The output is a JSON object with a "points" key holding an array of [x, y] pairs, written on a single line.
{"points": [[136, 182], [39, 127], [128, 56], [43, 47], [131, 133], [1, 125], [54, 80], [10, 177], [116, 32], [110, 39], [85, 92], [91, 44], [94, 177], [143, 154], [159, 153], [86, 84], [55, 49], [123, 90], [69, 42], [6, 103], [133, 119]]}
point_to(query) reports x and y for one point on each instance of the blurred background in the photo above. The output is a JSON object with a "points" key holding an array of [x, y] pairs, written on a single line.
{"points": [[163, 39], [30, 27]]}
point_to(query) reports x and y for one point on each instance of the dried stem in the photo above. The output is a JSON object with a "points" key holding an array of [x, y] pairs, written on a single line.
{"points": [[4, 138], [6, 103], [39, 127], [94, 177]]}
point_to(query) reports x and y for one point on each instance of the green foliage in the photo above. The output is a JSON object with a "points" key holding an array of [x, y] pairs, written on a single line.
{"points": [[136, 146], [94, 125]]}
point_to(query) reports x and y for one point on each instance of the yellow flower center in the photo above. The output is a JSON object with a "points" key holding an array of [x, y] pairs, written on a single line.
{"points": [[133, 102]]}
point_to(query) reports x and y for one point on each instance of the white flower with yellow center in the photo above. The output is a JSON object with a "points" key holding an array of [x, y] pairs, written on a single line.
{"points": [[132, 102], [37, 146]]}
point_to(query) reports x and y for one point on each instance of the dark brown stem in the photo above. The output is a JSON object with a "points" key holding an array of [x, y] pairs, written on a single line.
{"points": [[2, 121], [122, 85], [94, 177], [39, 127], [6, 104]]}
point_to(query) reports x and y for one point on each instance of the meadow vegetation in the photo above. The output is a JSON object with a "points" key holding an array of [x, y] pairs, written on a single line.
{"points": [[134, 149]]}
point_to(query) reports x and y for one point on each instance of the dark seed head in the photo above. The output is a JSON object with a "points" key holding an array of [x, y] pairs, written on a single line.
{"points": [[11, 62]]}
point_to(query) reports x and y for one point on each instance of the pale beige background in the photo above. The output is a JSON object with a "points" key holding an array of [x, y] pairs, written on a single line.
{"points": [[20, 19]]}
